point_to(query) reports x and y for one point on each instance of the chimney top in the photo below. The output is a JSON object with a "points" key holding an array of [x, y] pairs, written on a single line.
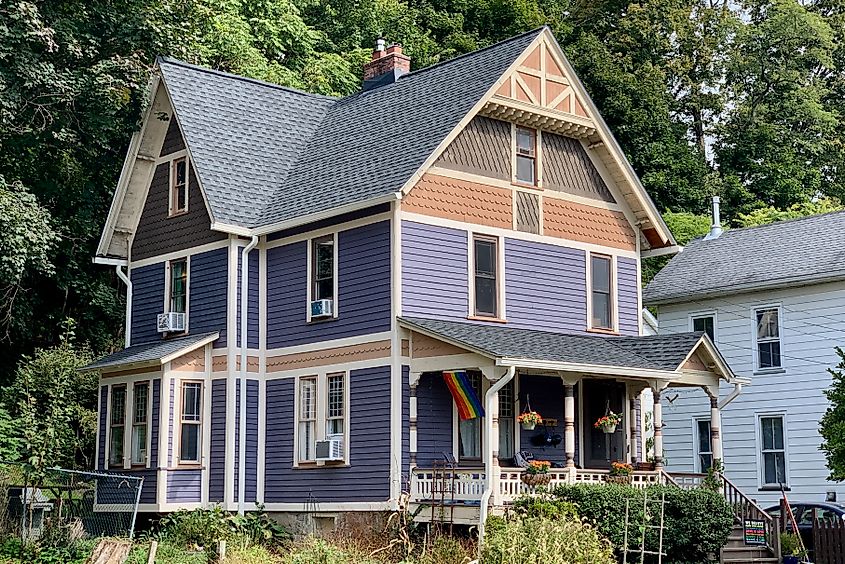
{"points": [[716, 225], [386, 65]]}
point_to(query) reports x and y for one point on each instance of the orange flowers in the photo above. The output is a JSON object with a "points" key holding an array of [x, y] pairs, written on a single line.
{"points": [[538, 466], [621, 469]]}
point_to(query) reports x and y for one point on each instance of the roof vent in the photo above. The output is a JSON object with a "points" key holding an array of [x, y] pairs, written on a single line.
{"points": [[716, 226], [386, 66]]}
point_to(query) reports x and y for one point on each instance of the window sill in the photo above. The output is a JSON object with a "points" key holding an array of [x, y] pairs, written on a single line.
{"points": [[773, 489], [484, 318], [764, 371], [527, 185], [602, 331], [177, 214], [319, 320], [318, 465]]}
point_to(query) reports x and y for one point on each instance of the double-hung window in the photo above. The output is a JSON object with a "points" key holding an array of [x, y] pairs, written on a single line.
{"points": [[601, 295], [178, 298], [321, 413], [140, 422], [705, 324], [486, 285], [768, 338], [507, 425], [117, 425], [526, 156], [179, 186], [191, 422], [335, 404], [705, 451], [773, 450], [469, 430], [307, 418]]}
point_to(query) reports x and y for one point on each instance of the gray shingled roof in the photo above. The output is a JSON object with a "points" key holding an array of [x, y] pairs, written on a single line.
{"points": [[654, 352], [795, 252], [267, 154], [150, 353]]}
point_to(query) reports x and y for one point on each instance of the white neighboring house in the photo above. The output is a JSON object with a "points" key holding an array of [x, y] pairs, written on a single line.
{"points": [[773, 300]]}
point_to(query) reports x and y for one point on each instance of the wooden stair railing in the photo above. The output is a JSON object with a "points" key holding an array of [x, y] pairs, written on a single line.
{"points": [[745, 508]]}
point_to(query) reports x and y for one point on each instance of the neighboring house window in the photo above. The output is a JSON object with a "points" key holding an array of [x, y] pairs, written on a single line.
{"points": [[506, 422], [526, 155], [307, 418], [469, 430], [191, 422], [705, 453], [601, 298], [140, 422], [768, 338], [705, 324], [485, 252], [773, 451], [178, 286], [336, 403], [179, 186], [117, 422]]}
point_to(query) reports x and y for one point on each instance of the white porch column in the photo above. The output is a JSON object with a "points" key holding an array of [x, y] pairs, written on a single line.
{"points": [[414, 379], [658, 430], [633, 442], [716, 431], [569, 423]]}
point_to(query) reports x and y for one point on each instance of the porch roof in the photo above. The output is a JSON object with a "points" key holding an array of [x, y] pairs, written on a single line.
{"points": [[654, 353], [153, 354]]}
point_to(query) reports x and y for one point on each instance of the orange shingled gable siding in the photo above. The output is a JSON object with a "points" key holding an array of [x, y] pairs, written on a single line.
{"points": [[587, 224], [461, 200]]}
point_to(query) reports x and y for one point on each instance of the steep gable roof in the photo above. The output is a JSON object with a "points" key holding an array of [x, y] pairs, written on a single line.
{"points": [[787, 253]]}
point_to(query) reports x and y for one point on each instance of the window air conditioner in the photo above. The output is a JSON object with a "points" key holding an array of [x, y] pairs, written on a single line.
{"points": [[329, 450], [321, 308], [171, 322]]}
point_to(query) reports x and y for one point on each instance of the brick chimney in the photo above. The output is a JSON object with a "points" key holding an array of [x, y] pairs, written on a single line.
{"points": [[386, 66]]}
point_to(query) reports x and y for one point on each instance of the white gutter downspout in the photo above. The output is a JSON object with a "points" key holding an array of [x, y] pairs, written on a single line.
{"points": [[122, 275], [488, 456], [242, 414], [732, 396]]}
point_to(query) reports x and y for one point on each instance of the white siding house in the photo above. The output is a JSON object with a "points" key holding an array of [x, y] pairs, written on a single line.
{"points": [[779, 330]]}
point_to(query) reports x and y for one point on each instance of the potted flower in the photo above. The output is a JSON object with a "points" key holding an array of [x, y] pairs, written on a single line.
{"points": [[529, 420], [609, 422], [537, 473], [620, 473], [790, 548]]}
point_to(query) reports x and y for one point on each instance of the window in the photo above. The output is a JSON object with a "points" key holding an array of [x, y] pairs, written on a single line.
{"points": [[705, 324], [307, 418], [486, 287], [705, 454], [140, 420], [117, 421], [773, 452], [601, 316], [179, 186], [469, 430], [526, 155], [191, 422], [768, 338], [178, 286], [335, 403], [507, 427], [321, 413], [323, 268]]}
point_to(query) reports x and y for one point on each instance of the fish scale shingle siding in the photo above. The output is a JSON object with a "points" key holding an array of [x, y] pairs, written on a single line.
{"points": [[147, 302], [366, 479]]}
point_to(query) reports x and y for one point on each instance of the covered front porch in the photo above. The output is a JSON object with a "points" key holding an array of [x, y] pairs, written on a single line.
{"points": [[570, 380]]}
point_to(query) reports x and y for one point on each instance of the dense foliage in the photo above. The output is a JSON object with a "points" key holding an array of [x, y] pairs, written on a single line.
{"points": [[832, 427]]}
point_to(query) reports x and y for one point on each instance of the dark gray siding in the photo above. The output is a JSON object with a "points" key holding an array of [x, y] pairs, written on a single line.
{"points": [[251, 465], [236, 463], [254, 293], [208, 288], [363, 286], [157, 233], [217, 457], [104, 404], [629, 313], [527, 212], [567, 168], [367, 478], [147, 302], [434, 419], [483, 147], [173, 138], [184, 486]]}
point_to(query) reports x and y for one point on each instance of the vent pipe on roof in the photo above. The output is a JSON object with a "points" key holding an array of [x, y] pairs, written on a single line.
{"points": [[716, 226]]}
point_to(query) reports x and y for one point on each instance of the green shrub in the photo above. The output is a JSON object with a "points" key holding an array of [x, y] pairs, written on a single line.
{"points": [[12, 550], [167, 553], [318, 551], [523, 539], [697, 522], [203, 528], [445, 549], [545, 505]]}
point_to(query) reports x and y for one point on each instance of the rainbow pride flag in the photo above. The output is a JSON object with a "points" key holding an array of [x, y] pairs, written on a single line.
{"points": [[469, 405]]}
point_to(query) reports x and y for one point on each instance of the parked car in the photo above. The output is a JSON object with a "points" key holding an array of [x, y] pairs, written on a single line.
{"points": [[803, 512]]}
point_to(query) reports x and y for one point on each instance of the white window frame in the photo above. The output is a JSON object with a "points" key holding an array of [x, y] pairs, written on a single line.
{"points": [[761, 485], [515, 411], [697, 444], [321, 420], [168, 282], [501, 314], [538, 166], [310, 276], [177, 443], [149, 384], [456, 435], [126, 410], [755, 350], [172, 210], [614, 292], [702, 314]]}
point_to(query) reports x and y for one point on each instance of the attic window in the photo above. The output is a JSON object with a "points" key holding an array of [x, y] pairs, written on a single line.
{"points": [[179, 186], [526, 156]]}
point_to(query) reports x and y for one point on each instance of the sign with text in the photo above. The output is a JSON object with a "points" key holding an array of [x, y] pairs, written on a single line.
{"points": [[755, 532]]}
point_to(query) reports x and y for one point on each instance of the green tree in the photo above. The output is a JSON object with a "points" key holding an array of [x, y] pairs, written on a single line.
{"points": [[832, 426], [769, 214]]}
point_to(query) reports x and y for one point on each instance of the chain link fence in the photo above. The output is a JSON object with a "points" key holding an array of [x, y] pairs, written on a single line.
{"points": [[56, 505]]}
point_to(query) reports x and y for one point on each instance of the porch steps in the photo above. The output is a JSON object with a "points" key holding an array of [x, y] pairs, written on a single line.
{"points": [[736, 552]]}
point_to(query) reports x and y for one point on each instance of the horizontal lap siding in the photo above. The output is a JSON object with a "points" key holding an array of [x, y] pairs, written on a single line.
{"points": [[184, 486], [150, 487], [628, 292], [545, 286], [434, 419], [236, 462], [368, 476], [406, 426], [363, 285], [208, 293], [251, 465], [171, 415], [217, 456], [104, 406], [147, 302], [254, 292], [434, 271]]}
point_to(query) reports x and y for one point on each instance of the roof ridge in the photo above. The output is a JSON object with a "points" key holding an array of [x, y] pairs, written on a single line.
{"points": [[779, 222], [169, 60]]}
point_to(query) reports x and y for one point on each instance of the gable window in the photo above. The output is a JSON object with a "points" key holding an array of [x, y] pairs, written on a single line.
{"points": [[507, 425], [526, 155], [191, 422], [773, 450], [140, 422], [705, 453], [768, 338], [601, 298], [485, 257], [117, 422], [322, 411], [179, 186], [705, 324], [469, 430], [178, 299]]}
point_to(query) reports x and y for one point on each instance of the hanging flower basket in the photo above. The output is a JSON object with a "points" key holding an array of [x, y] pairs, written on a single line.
{"points": [[535, 480], [618, 479], [608, 423], [529, 420]]}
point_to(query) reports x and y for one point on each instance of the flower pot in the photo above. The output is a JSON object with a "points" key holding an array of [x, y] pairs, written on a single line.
{"points": [[528, 425], [609, 429], [611, 479], [535, 480], [791, 560]]}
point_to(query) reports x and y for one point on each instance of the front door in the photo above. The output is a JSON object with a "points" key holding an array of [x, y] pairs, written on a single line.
{"points": [[599, 397]]}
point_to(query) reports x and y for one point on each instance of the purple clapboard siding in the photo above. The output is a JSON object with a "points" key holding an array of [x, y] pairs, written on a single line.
{"points": [[545, 286], [406, 428], [254, 291], [184, 486], [147, 302], [236, 462], [171, 415], [251, 463], [628, 290], [217, 457], [434, 419], [104, 405], [547, 396], [208, 288], [367, 478], [363, 303], [434, 271]]}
